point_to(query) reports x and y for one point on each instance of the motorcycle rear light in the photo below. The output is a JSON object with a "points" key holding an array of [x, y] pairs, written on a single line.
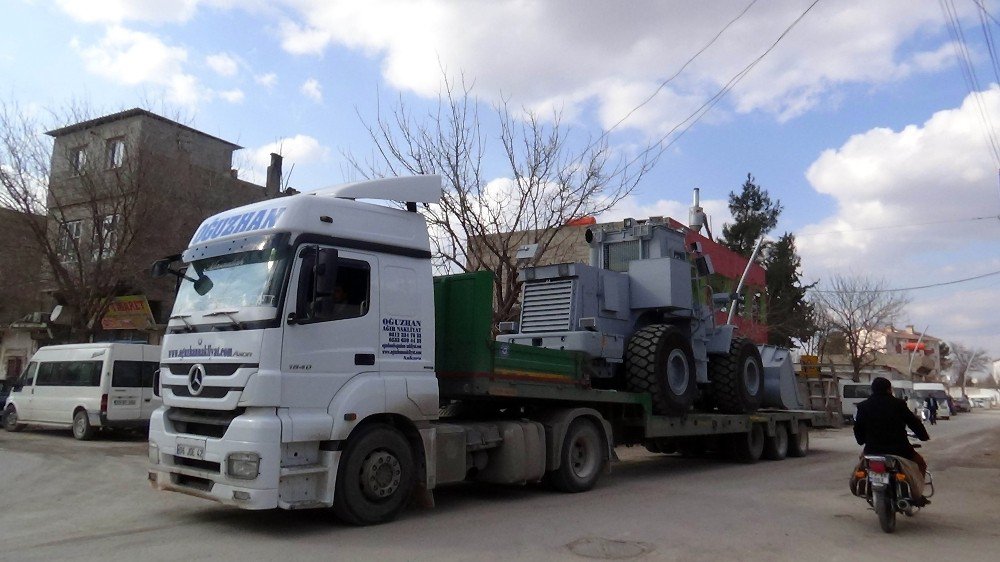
{"points": [[859, 474], [876, 466]]}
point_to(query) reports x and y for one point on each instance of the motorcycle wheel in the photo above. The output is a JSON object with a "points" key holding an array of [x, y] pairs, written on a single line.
{"points": [[885, 510]]}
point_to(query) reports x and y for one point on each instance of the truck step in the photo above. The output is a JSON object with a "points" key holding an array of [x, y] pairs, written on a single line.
{"points": [[302, 470]]}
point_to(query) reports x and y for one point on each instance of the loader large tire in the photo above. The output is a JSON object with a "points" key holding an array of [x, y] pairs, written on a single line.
{"points": [[659, 361], [737, 378]]}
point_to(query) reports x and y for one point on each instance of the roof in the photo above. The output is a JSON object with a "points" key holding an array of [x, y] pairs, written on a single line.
{"points": [[128, 113]]}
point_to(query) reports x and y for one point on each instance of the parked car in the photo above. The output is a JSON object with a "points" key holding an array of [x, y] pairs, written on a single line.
{"points": [[963, 404]]}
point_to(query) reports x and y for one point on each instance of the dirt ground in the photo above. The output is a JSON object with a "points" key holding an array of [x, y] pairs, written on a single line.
{"points": [[62, 499]]}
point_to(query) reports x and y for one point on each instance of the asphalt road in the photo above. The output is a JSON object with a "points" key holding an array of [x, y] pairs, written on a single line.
{"points": [[62, 499]]}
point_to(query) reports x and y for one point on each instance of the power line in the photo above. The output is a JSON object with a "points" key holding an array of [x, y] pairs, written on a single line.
{"points": [[892, 226], [914, 288]]}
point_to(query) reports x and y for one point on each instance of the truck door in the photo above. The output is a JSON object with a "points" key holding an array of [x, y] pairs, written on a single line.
{"points": [[23, 397], [331, 324]]}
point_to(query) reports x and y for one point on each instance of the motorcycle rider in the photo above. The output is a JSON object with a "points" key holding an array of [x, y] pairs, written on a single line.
{"points": [[880, 425]]}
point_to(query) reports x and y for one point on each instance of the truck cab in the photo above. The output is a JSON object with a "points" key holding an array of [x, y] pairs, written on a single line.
{"points": [[296, 319]]}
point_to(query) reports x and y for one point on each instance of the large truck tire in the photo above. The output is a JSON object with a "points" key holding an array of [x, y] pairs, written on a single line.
{"points": [[659, 361], [581, 458], [375, 477], [737, 378], [82, 429]]}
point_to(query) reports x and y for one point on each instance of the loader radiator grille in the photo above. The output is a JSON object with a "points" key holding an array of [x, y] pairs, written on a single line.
{"points": [[547, 306], [617, 255]]}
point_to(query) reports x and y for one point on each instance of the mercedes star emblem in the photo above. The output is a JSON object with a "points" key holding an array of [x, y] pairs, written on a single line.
{"points": [[196, 379]]}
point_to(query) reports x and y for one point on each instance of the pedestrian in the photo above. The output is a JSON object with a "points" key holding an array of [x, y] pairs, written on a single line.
{"points": [[932, 407]]}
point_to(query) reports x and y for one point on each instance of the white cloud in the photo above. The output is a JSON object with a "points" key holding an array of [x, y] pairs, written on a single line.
{"points": [[298, 150], [118, 11], [134, 58], [573, 55], [223, 64], [925, 183], [312, 90], [268, 80], [232, 96]]}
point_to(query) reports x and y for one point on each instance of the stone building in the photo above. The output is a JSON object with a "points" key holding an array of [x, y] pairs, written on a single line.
{"points": [[124, 190]]}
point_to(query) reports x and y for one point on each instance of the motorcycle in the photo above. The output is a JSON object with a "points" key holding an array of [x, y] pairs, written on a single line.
{"points": [[881, 481]]}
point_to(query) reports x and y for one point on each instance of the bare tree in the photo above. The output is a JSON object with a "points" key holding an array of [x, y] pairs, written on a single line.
{"points": [[856, 308], [482, 220], [106, 210], [966, 360]]}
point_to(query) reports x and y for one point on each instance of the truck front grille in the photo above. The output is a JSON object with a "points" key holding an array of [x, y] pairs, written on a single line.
{"points": [[547, 305], [205, 423]]}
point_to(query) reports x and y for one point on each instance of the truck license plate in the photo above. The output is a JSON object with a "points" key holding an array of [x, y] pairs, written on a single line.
{"points": [[191, 448], [878, 478], [129, 402]]}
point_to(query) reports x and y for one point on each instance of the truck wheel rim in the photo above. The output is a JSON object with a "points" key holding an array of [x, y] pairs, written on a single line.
{"points": [[78, 425], [380, 475], [751, 376], [677, 372], [583, 456]]}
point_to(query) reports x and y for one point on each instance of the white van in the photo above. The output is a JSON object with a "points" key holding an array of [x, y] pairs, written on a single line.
{"points": [[84, 387], [851, 393], [921, 390]]}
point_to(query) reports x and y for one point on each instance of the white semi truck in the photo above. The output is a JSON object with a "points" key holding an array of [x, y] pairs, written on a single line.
{"points": [[312, 360]]}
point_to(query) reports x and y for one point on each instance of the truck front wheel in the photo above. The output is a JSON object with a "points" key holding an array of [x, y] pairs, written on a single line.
{"points": [[582, 458], [375, 477]]}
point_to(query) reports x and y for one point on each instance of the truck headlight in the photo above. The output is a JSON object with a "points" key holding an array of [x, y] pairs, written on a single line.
{"points": [[245, 466], [154, 453]]}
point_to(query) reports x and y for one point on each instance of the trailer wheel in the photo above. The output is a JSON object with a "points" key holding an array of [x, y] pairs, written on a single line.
{"points": [[747, 447], [798, 444], [737, 378], [776, 447], [660, 362], [375, 477], [582, 458], [82, 429], [10, 420]]}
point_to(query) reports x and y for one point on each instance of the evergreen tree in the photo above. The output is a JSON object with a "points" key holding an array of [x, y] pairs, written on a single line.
{"points": [[754, 215], [789, 316]]}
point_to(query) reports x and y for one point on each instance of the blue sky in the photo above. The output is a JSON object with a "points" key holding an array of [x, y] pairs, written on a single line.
{"points": [[859, 120]]}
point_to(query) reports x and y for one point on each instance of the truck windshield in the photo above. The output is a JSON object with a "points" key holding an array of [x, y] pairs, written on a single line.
{"points": [[246, 284]]}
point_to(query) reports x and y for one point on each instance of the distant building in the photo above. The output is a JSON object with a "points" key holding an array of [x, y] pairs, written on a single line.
{"points": [[138, 177], [20, 261]]}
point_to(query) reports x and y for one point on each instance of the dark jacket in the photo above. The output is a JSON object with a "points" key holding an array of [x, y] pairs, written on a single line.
{"points": [[881, 423]]}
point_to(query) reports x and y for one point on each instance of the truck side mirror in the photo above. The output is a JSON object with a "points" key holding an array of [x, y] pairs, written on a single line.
{"points": [[326, 272], [203, 285], [160, 268]]}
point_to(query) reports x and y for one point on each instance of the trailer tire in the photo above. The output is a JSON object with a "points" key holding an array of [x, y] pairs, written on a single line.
{"points": [[10, 420], [375, 478], [582, 458], [776, 446], [82, 429], [737, 378], [747, 447], [798, 443], [660, 362]]}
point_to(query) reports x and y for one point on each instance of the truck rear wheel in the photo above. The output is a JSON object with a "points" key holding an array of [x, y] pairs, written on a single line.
{"points": [[747, 447], [660, 362], [776, 447], [737, 378], [375, 477], [82, 429], [798, 443], [581, 459]]}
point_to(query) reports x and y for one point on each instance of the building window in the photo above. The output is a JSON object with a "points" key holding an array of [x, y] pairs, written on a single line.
{"points": [[105, 237], [116, 152], [69, 240], [78, 159]]}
